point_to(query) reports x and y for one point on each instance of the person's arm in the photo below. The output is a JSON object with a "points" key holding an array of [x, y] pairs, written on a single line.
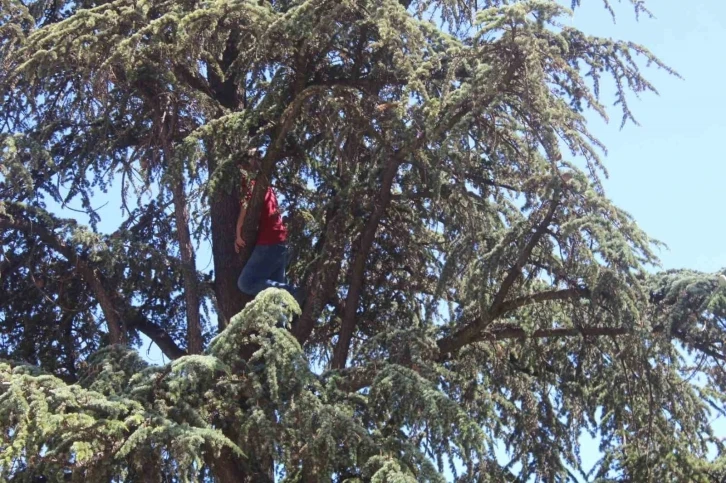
{"points": [[239, 242]]}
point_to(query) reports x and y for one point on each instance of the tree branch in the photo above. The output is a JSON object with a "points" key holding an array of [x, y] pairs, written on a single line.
{"points": [[157, 335], [186, 247], [194, 81], [108, 300], [323, 283], [340, 353], [698, 345], [505, 332], [189, 268], [469, 333], [524, 255], [543, 297], [116, 329]]}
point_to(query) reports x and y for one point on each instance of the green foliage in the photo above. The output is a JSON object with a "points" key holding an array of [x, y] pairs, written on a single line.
{"points": [[123, 411], [470, 285]]}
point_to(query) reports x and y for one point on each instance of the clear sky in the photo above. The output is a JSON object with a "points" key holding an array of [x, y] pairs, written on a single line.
{"points": [[669, 172]]}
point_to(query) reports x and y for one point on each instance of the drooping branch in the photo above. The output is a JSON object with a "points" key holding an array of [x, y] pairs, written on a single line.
{"points": [[189, 269], [120, 316], [116, 328], [706, 349], [186, 247]]}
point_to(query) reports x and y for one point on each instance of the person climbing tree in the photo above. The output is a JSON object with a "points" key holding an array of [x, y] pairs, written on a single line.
{"points": [[268, 261]]}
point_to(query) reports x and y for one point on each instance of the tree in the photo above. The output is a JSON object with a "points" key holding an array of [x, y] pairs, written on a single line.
{"points": [[470, 285]]}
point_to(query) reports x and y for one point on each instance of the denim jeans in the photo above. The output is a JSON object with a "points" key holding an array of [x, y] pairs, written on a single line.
{"points": [[265, 269]]}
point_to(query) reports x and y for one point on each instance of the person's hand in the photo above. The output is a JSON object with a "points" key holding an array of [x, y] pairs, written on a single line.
{"points": [[239, 244]]}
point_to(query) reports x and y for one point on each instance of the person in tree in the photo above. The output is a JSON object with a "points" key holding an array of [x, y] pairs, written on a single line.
{"points": [[268, 261]]}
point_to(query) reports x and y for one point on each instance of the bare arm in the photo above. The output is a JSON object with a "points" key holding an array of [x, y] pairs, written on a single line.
{"points": [[239, 242]]}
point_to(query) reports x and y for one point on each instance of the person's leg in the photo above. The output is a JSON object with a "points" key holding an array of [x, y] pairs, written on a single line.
{"points": [[257, 271], [265, 269], [278, 274], [277, 277]]}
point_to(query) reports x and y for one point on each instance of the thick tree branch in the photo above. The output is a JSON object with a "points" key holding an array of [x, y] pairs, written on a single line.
{"points": [[226, 90], [158, 336], [516, 270], [365, 242], [340, 353]]}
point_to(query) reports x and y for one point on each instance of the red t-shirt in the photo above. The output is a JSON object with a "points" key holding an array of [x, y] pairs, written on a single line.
{"points": [[271, 229]]}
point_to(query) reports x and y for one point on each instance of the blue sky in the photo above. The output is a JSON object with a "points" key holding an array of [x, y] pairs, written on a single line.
{"points": [[669, 171]]}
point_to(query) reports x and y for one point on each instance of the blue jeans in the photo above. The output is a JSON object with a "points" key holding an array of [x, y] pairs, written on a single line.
{"points": [[265, 269]]}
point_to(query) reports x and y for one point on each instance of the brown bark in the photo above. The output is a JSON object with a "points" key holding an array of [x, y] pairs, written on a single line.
{"points": [[116, 327], [224, 205], [477, 330], [228, 467], [224, 210], [340, 353], [189, 268], [524, 255]]}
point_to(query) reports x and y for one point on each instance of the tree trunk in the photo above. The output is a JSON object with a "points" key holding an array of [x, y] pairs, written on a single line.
{"points": [[228, 264], [189, 269]]}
